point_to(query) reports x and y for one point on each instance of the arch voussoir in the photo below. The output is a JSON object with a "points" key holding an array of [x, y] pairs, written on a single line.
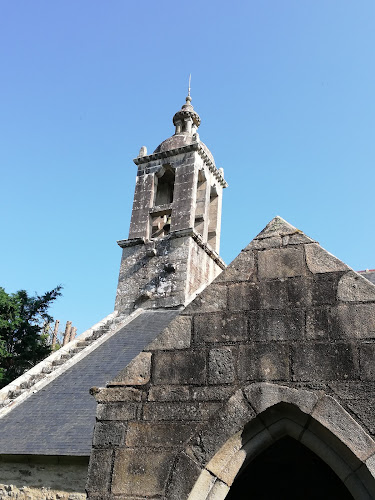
{"points": [[263, 413]]}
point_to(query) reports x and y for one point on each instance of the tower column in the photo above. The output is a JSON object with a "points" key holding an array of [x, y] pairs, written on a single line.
{"points": [[185, 195], [143, 195]]}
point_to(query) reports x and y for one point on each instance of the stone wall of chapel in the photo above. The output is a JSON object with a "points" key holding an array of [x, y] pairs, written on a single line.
{"points": [[285, 312], [43, 478]]}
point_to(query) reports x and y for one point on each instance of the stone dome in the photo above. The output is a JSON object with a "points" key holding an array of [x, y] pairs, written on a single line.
{"points": [[181, 140], [176, 141]]}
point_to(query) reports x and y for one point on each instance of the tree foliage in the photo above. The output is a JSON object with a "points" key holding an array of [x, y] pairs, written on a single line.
{"points": [[23, 341]]}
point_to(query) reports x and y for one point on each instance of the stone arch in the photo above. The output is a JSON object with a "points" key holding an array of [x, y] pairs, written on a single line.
{"points": [[164, 185], [258, 416]]}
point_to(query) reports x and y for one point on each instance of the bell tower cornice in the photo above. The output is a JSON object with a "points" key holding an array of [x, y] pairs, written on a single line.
{"points": [[195, 146]]}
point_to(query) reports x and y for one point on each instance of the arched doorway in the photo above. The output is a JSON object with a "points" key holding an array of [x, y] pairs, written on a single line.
{"points": [[287, 470], [326, 435]]}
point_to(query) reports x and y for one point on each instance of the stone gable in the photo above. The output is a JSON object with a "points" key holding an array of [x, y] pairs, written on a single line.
{"points": [[281, 343]]}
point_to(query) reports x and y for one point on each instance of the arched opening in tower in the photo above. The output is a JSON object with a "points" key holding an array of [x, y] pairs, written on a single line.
{"points": [[287, 470], [200, 203], [165, 188]]}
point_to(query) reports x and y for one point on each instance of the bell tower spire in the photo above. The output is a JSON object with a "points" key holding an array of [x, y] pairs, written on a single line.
{"points": [[173, 244]]}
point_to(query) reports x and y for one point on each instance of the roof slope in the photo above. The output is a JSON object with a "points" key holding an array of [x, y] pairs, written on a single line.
{"points": [[59, 419]]}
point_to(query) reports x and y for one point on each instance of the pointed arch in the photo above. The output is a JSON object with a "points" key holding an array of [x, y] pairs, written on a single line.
{"points": [[256, 417]]}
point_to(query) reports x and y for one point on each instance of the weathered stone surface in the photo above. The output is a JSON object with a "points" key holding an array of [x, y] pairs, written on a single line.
{"points": [[138, 473], [353, 389], [363, 410], [34, 493], [319, 323], [213, 299], [220, 366], [117, 411], [41, 478], [264, 395], [355, 288], [109, 434], [370, 464], [177, 335], [219, 491], [354, 321], [179, 367], [194, 411], [281, 263], [320, 261], [136, 373], [284, 324], [220, 328], [263, 361], [99, 473], [331, 415], [185, 474], [235, 414], [242, 268], [277, 226], [227, 453], [324, 288], [203, 486], [265, 243], [324, 361], [299, 291], [367, 357], [164, 435], [296, 239], [169, 393], [113, 394], [212, 393], [273, 294], [243, 296]]}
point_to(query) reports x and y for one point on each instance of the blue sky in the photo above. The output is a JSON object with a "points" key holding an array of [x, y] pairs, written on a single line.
{"points": [[285, 91]]}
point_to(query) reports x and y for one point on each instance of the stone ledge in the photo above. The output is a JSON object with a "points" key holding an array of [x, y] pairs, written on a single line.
{"points": [[196, 146], [181, 233]]}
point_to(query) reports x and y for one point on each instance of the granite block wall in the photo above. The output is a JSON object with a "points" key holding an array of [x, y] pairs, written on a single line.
{"points": [[284, 316]]}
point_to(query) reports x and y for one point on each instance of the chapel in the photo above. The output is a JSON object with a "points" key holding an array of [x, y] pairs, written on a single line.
{"points": [[254, 380]]}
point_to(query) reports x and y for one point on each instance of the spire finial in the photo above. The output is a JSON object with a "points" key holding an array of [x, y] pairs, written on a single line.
{"points": [[185, 119]]}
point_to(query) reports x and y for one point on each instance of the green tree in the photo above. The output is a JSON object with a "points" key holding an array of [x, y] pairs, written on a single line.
{"points": [[23, 342]]}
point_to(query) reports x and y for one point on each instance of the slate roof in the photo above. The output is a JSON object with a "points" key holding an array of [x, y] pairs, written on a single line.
{"points": [[59, 419]]}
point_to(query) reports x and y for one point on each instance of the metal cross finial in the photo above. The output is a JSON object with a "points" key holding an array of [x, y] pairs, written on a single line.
{"points": [[189, 85]]}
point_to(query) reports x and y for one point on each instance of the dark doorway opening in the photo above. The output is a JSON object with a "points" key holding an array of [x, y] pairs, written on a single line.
{"points": [[287, 470]]}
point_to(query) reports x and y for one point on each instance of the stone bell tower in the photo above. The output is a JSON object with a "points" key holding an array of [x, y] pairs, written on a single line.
{"points": [[173, 245]]}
